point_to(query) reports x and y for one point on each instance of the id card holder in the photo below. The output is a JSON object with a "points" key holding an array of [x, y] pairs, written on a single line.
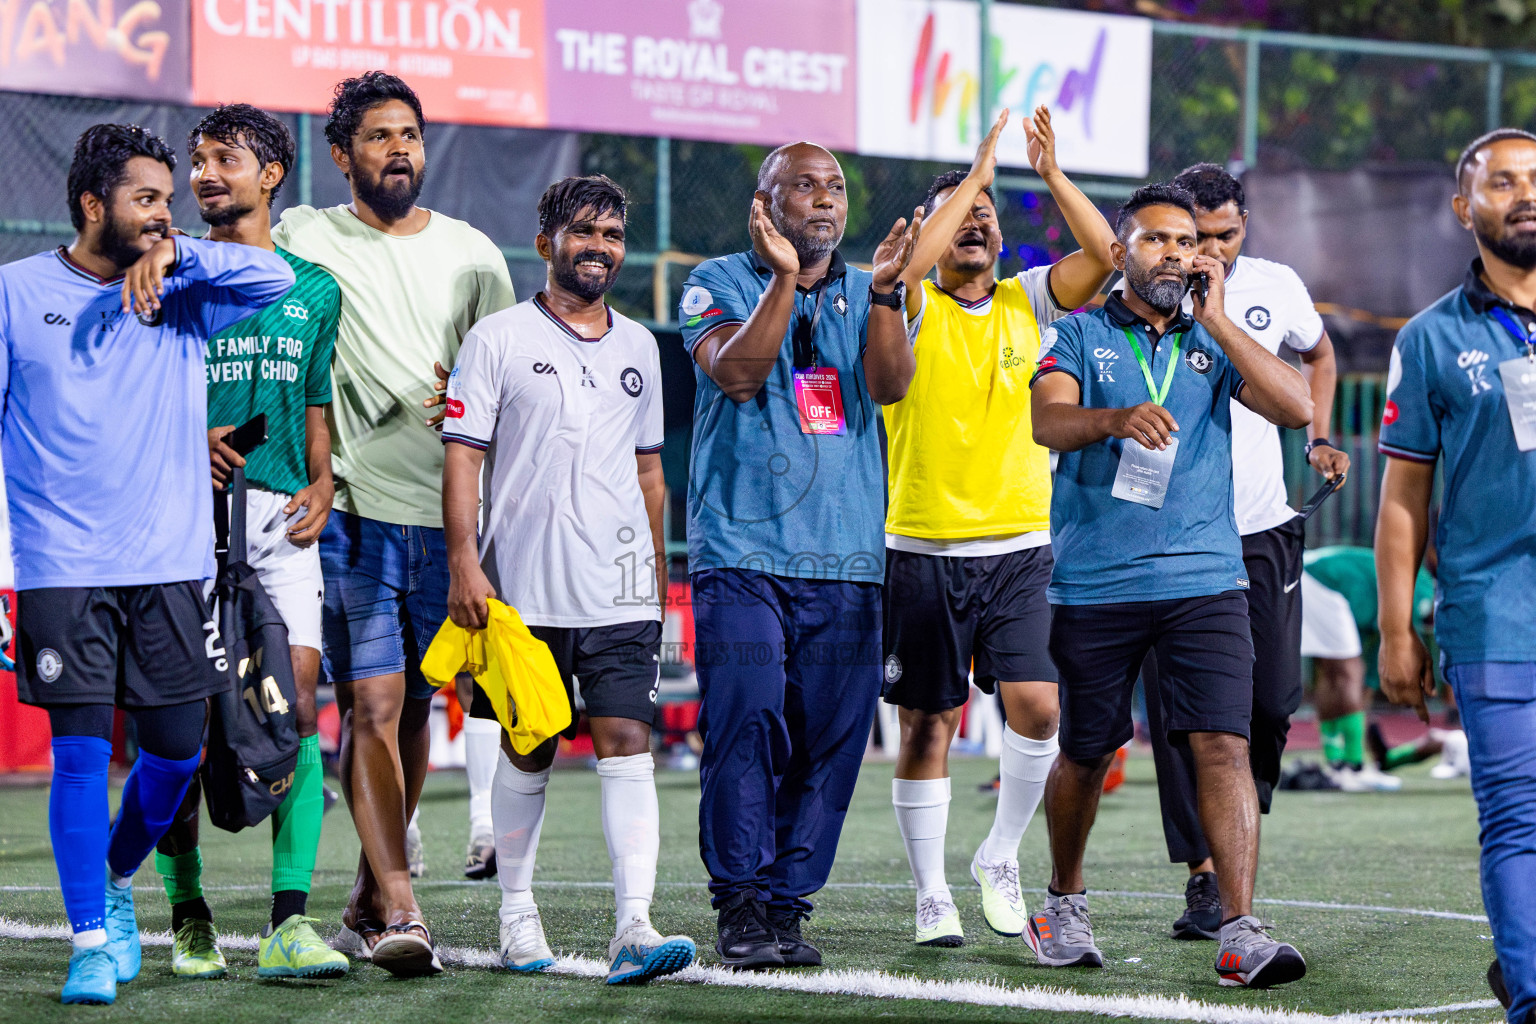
{"points": [[820, 401], [1144, 473], [1519, 377]]}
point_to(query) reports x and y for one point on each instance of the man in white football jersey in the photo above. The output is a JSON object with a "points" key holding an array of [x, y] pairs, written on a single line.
{"points": [[1270, 303], [559, 398]]}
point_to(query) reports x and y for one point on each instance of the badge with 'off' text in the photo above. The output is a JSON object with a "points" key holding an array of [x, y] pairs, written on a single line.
{"points": [[820, 401]]}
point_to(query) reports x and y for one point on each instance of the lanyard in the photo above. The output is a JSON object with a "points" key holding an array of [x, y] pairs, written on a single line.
{"points": [[805, 339], [1146, 370], [1528, 339]]}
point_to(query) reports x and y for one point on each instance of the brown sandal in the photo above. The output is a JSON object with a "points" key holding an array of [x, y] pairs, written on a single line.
{"points": [[405, 950]]}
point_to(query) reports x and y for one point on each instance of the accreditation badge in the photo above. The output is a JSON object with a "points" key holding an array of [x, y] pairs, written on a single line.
{"points": [[820, 401], [1519, 377], [1144, 473]]}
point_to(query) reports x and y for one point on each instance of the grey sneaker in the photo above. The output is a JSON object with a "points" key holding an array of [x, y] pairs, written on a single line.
{"points": [[1061, 934], [1250, 958]]}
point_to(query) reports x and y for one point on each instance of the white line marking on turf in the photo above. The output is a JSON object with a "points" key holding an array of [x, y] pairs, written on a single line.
{"points": [[1446, 915], [1430, 1011], [879, 985]]}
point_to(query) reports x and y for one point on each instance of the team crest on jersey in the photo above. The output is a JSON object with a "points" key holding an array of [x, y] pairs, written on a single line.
{"points": [[840, 304], [631, 381], [1257, 317], [49, 665], [1198, 359], [295, 311], [892, 669]]}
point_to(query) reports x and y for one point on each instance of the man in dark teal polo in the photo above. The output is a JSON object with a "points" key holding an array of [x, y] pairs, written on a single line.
{"points": [[1136, 398]]}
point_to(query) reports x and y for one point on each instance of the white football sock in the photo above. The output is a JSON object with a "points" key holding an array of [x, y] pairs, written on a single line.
{"points": [[482, 739], [922, 816], [1024, 767], [517, 815], [632, 826], [90, 938]]}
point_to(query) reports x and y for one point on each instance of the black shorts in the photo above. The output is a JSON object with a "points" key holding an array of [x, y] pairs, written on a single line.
{"points": [[946, 615], [617, 668], [1205, 662], [137, 647]]}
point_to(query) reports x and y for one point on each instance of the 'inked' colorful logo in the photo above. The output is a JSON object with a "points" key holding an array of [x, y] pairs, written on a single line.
{"points": [[1074, 93]]}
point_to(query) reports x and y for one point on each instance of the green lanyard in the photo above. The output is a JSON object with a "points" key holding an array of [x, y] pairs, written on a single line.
{"points": [[1146, 371]]}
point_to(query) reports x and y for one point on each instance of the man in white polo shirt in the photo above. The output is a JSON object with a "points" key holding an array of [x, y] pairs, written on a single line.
{"points": [[561, 397], [1271, 305]]}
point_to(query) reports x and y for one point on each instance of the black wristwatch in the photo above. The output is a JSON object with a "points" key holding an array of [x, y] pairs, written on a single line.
{"points": [[894, 299], [1318, 442]]}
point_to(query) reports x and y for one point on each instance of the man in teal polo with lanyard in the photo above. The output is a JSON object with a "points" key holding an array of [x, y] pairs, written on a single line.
{"points": [[1148, 558]]}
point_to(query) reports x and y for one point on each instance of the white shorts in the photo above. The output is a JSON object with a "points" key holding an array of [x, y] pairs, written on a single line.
{"points": [[1328, 627], [290, 574]]}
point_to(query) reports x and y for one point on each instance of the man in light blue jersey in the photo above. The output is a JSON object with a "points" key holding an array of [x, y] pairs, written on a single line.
{"points": [[105, 449]]}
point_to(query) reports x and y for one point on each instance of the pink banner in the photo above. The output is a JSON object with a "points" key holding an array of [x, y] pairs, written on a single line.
{"points": [[134, 49], [737, 71]]}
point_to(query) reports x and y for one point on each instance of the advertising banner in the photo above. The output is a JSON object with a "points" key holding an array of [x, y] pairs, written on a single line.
{"points": [[706, 69], [133, 48], [918, 82], [470, 61]]}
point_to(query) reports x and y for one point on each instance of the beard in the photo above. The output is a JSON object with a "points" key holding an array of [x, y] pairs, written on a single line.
{"points": [[1162, 295], [810, 248], [587, 289], [1516, 249], [224, 215], [118, 240], [386, 195]]}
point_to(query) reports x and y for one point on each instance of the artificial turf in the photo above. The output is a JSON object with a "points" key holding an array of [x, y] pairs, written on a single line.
{"points": [[1415, 849]]}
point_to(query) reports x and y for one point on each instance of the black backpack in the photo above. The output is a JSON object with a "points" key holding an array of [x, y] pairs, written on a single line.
{"points": [[253, 743]]}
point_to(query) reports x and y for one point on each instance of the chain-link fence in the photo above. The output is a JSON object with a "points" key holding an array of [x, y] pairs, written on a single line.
{"points": [[1270, 101]]}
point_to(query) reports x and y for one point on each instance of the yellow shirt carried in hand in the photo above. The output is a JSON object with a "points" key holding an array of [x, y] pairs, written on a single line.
{"points": [[963, 463], [513, 667]]}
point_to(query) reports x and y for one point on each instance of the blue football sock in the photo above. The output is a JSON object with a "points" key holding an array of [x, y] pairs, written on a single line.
{"points": [[77, 825], [151, 796]]}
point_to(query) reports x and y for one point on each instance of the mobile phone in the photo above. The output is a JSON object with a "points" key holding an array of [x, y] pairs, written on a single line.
{"points": [[1202, 286], [249, 436], [1321, 495]]}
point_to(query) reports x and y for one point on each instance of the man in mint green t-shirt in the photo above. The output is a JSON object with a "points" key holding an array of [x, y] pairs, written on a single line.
{"points": [[277, 362]]}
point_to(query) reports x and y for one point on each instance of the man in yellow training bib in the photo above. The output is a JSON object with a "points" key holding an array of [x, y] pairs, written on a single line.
{"points": [[967, 538]]}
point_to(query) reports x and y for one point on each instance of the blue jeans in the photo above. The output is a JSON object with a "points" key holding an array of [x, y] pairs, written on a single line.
{"points": [[386, 596], [1498, 712], [789, 672]]}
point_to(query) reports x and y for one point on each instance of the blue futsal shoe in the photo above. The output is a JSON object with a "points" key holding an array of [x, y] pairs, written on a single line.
{"points": [[123, 932], [642, 953], [92, 978]]}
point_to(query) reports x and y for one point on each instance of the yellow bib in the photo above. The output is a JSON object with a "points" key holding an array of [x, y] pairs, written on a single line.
{"points": [[962, 460]]}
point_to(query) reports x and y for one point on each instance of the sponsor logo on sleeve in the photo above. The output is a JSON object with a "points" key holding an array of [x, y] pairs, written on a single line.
{"points": [[694, 321], [696, 300], [455, 409], [1389, 414]]}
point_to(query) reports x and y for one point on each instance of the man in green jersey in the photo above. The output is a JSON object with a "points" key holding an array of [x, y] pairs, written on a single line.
{"points": [[277, 362], [1340, 633]]}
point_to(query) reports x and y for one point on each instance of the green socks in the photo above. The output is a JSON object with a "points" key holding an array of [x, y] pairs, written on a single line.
{"points": [[1333, 743], [1344, 739], [182, 875], [296, 822]]}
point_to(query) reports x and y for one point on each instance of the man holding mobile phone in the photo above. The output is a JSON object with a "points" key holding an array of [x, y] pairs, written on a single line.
{"points": [[1135, 398], [272, 373], [1271, 305]]}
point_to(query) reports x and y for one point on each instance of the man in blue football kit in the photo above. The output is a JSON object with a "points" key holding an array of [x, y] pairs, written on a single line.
{"points": [[1461, 388], [105, 449]]}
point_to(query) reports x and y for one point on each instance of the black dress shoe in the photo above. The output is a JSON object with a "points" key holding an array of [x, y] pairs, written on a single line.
{"points": [[792, 945], [1496, 982], [746, 941]]}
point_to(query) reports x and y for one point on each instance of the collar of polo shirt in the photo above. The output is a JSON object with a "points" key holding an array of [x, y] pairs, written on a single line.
{"points": [[1122, 314], [1480, 296], [836, 269]]}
